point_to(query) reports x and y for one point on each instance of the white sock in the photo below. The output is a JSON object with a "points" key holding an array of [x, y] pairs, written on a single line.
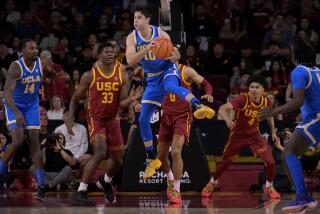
{"points": [[107, 179], [213, 181], [176, 185], [268, 184], [83, 187], [170, 176]]}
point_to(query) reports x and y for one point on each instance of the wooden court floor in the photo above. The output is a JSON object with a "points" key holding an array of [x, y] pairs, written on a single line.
{"points": [[142, 203]]}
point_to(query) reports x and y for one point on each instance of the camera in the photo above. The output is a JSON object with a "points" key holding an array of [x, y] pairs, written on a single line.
{"points": [[51, 140]]}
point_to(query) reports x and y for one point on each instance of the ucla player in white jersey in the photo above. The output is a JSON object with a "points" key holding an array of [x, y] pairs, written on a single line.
{"points": [[162, 76], [305, 80], [21, 101]]}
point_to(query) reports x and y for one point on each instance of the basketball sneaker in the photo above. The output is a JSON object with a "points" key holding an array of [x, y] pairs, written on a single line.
{"points": [[300, 204], [80, 197], [175, 197], [107, 190], [271, 192], [151, 168], [208, 189], [41, 193], [169, 188], [204, 112]]}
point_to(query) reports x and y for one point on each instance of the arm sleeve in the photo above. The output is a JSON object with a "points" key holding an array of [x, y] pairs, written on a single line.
{"points": [[206, 86], [239, 102], [300, 78]]}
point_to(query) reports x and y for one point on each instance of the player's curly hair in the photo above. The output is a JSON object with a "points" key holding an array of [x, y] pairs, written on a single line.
{"points": [[257, 78], [302, 52]]}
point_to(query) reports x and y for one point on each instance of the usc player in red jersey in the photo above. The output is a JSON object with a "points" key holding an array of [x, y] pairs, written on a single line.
{"points": [[175, 127], [245, 133], [107, 86]]}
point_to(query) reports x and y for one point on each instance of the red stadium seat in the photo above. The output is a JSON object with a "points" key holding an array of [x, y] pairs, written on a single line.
{"points": [[219, 81], [220, 94]]}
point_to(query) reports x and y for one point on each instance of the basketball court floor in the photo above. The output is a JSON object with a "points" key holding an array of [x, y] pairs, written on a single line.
{"points": [[142, 203]]}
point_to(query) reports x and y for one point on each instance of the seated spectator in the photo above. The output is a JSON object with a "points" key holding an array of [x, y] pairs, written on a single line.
{"points": [[273, 53], [235, 29], [3, 144], [94, 44], [77, 143], [43, 132], [57, 161], [56, 108], [192, 58], [311, 35]]}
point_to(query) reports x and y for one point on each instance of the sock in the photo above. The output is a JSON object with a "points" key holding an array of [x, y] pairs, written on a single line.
{"points": [[170, 176], [213, 181], [195, 103], [3, 168], [295, 169], [268, 184], [83, 187], [107, 179], [150, 152], [176, 185], [40, 177]]}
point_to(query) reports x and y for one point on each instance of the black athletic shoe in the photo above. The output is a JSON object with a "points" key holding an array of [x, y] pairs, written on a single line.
{"points": [[81, 197], [5, 182], [107, 190], [41, 193]]}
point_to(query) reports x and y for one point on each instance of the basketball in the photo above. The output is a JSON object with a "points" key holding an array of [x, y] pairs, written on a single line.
{"points": [[162, 48]]}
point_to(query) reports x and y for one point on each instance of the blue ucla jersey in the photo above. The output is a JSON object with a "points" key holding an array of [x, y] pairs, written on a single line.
{"points": [[150, 63], [308, 79], [26, 92]]}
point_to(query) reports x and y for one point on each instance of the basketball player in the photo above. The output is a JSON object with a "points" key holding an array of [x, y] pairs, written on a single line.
{"points": [[21, 101], [305, 80], [107, 87], [245, 133], [174, 131], [162, 77]]}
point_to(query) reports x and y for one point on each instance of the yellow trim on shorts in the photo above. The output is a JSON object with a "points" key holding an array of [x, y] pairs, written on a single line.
{"points": [[151, 102]]}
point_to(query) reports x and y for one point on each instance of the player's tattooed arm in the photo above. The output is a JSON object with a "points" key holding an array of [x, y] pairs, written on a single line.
{"points": [[14, 73], [84, 85], [133, 57], [135, 93]]}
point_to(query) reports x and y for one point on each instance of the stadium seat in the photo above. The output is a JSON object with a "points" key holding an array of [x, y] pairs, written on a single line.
{"points": [[219, 81], [220, 94]]}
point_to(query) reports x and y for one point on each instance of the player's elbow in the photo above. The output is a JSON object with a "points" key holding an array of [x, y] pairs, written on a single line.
{"points": [[131, 61]]}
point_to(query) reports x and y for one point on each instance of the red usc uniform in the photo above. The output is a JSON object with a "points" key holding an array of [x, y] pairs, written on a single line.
{"points": [[104, 95], [246, 130], [177, 114]]}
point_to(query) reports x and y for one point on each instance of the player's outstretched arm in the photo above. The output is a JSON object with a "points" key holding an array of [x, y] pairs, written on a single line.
{"points": [[292, 105], [84, 85], [133, 57], [192, 76], [14, 73], [223, 112], [135, 94]]}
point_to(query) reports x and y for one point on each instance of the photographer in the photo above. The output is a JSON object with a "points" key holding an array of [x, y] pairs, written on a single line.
{"points": [[58, 161]]}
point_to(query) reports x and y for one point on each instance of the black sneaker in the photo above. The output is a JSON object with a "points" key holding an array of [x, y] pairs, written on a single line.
{"points": [[41, 193], [5, 182], [107, 189], [81, 197]]}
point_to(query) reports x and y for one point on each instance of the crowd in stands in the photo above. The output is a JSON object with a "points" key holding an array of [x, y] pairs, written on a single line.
{"points": [[227, 41]]}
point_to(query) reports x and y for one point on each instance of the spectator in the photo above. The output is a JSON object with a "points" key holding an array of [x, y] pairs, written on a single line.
{"points": [[84, 60], [8, 29], [258, 17], [43, 133], [57, 161], [93, 43], [78, 33], [5, 61], [218, 63], [235, 29], [3, 144], [126, 28], [291, 23], [77, 143], [191, 58], [55, 26], [104, 30], [75, 80], [273, 53], [13, 16], [15, 47], [311, 35], [56, 108], [28, 27], [57, 80]]}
